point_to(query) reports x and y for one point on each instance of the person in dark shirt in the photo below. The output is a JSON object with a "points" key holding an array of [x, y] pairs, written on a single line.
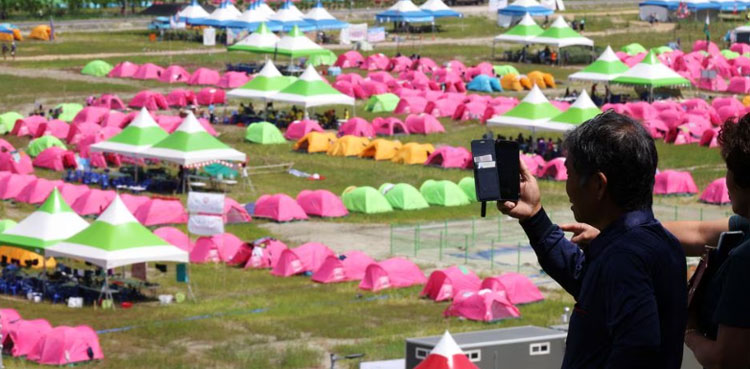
{"points": [[629, 282]]}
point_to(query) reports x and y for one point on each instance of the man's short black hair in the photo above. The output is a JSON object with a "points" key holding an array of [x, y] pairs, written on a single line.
{"points": [[623, 150], [734, 139]]}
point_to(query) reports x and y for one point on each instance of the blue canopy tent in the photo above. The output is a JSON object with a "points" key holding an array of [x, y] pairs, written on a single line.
{"points": [[510, 14], [288, 17], [699, 8], [322, 19], [404, 11], [731, 5], [438, 9], [251, 19], [484, 83], [658, 9]]}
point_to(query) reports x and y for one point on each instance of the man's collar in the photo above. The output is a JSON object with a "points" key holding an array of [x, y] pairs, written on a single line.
{"points": [[617, 228]]}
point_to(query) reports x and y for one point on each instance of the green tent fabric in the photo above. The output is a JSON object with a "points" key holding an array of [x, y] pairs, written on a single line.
{"points": [[216, 170], [443, 193], [729, 54], [295, 44], [403, 196], [310, 90], [139, 135], [383, 103], [97, 68], [559, 34], [38, 145], [8, 120], [650, 72], [604, 69], [261, 41], [662, 49], [69, 111], [6, 224], [365, 200], [580, 111], [633, 49], [533, 112], [524, 31], [502, 70], [264, 133], [467, 185], [266, 83], [321, 59]]}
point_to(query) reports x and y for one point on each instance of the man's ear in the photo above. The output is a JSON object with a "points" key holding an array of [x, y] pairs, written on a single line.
{"points": [[598, 185]]}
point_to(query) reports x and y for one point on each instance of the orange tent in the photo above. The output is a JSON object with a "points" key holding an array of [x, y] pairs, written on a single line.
{"points": [[41, 32]]}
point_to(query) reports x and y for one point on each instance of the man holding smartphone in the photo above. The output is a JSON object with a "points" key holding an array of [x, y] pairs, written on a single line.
{"points": [[629, 282]]}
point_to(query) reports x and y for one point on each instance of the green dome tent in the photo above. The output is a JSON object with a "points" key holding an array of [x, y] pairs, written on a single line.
{"points": [[502, 70], [729, 54], [443, 193], [382, 103], [467, 185], [97, 68], [264, 133], [662, 49], [403, 196], [365, 200], [69, 111], [40, 144], [8, 120], [633, 49], [321, 59]]}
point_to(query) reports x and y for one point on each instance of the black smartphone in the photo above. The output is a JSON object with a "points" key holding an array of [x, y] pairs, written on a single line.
{"points": [[508, 169], [486, 180]]}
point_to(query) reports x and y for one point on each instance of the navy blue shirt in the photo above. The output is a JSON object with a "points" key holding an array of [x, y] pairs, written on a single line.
{"points": [[630, 289]]}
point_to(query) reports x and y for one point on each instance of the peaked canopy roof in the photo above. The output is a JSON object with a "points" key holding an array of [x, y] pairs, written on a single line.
{"points": [[404, 11], [260, 41], [289, 16], [322, 19], [438, 9], [652, 73], [222, 16], [532, 112], [264, 8], [117, 239], [141, 133], [51, 223], [521, 7], [190, 145], [192, 13], [252, 18], [312, 90], [561, 35], [524, 31], [604, 69], [296, 44], [582, 110], [265, 84]]}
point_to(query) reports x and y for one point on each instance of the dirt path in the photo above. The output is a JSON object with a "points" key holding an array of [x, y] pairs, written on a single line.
{"points": [[119, 55]]}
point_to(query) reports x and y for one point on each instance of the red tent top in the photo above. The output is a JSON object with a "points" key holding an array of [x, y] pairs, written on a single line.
{"points": [[148, 71], [175, 237], [672, 182], [25, 334], [423, 124], [221, 247], [392, 273], [484, 305], [93, 202], [159, 211], [233, 80]]}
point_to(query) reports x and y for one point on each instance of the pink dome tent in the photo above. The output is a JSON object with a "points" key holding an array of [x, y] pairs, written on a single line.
{"points": [[27, 126], [5, 145], [150, 100], [93, 202], [423, 124], [321, 203], [21, 166], [392, 273], [279, 208], [77, 132], [71, 192], [66, 345], [148, 71], [266, 254], [305, 258], [90, 114], [532, 164], [450, 157], [12, 184], [349, 59], [204, 76], [52, 158], [352, 78], [382, 77], [716, 193], [345, 87], [446, 283], [399, 64], [300, 128], [375, 62], [410, 104], [672, 182], [483, 306], [181, 98], [233, 80], [555, 170], [234, 212], [210, 96], [168, 123], [739, 85], [350, 266], [133, 202], [37, 191], [174, 74], [116, 119], [389, 126], [519, 288], [123, 70], [23, 336], [7, 317], [175, 237], [356, 126], [110, 101], [220, 247], [161, 211], [374, 87]]}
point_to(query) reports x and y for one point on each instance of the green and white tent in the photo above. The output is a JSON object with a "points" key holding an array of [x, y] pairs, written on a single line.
{"points": [[266, 83], [7, 224], [296, 44], [117, 239], [533, 112], [69, 111], [403, 196], [262, 41], [386, 102], [522, 32], [312, 90], [8, 121], [582, 110], [604, 69], [650, 72], [264, 133], [139, 135], [51, 223], [321, 59], [190, 145], [560, 34]]}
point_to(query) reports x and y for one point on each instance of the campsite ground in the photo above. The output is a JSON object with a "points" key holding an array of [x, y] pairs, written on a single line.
{"points": [[249, 319]]}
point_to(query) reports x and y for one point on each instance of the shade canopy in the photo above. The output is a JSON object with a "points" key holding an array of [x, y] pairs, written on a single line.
{"points": [[139, 135], [261, 41], [266, 83], [322, 19], [438, 9], [560, 34], [312, 90], [252, 18], [404, 11], [289, 17], [533, 112], [522, 32], [604, 69], [192, 13], [295, 44], [224, 15], [582, 110], [652, 73], [521, 7]]}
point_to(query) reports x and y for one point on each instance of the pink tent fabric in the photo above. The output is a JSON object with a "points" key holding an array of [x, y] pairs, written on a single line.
{"points": [[110, 101], [356, 126], [519, 288], [7, 317], [374, 87], [672, 182], [392, 273], [71, 192], [382, 77], [78, 131], [739, 85], [23, 336], [27, 126], [5, 145], [21, 166], [446, 283], [161, 211], [410, 104], [266, 254], [350, 266], [389, 126], [702, 45], [210, 95], [168, 123], [175, 237], [450, 157], [37, 191], [349, 59], [716, 84], [321, 203], [233, 80], [234, 212], [555, 170], [345, 87], [483, 306], [400, 64], [133, 202], [375, 62], [148, 71], [300, 128], [150, 99], [51, 158], [65, 345], [123, 70], [740, 48], [116, 119], [305, 258], [220, 247], [352, 78], [181, 98], [279, 208], [423, 124], [532, 164], [93, 202], [90, 114], [11, 185], [174, 74], [716, 192], [204, 76], [425, 65]]}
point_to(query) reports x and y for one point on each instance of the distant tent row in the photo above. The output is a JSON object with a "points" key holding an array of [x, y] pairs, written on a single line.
{"points": [[282, 208], [559, 34]]}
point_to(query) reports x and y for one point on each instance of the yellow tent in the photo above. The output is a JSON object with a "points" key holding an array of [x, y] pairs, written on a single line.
{"points": [[536, 77], [348, 145], [746, 100], [510, 82], [315, 142], [525, 82], [381, 149], [549, 80], [24, 258], [41, 32], [413, 153]]}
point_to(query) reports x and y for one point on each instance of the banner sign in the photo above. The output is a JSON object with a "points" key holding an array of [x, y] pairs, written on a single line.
{"points": [[358, 32], [376, 34], [209, 36], [205, 225], [204, 202]]}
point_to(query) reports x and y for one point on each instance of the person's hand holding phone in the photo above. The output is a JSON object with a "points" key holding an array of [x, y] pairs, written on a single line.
{"points": [[529, 201], [583, 233]]}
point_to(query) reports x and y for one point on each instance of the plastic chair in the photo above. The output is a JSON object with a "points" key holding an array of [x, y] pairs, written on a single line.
{"points": [[104, 181]]}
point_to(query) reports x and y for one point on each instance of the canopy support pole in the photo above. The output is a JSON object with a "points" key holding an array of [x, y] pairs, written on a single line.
{"points": [[106, 292]]}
